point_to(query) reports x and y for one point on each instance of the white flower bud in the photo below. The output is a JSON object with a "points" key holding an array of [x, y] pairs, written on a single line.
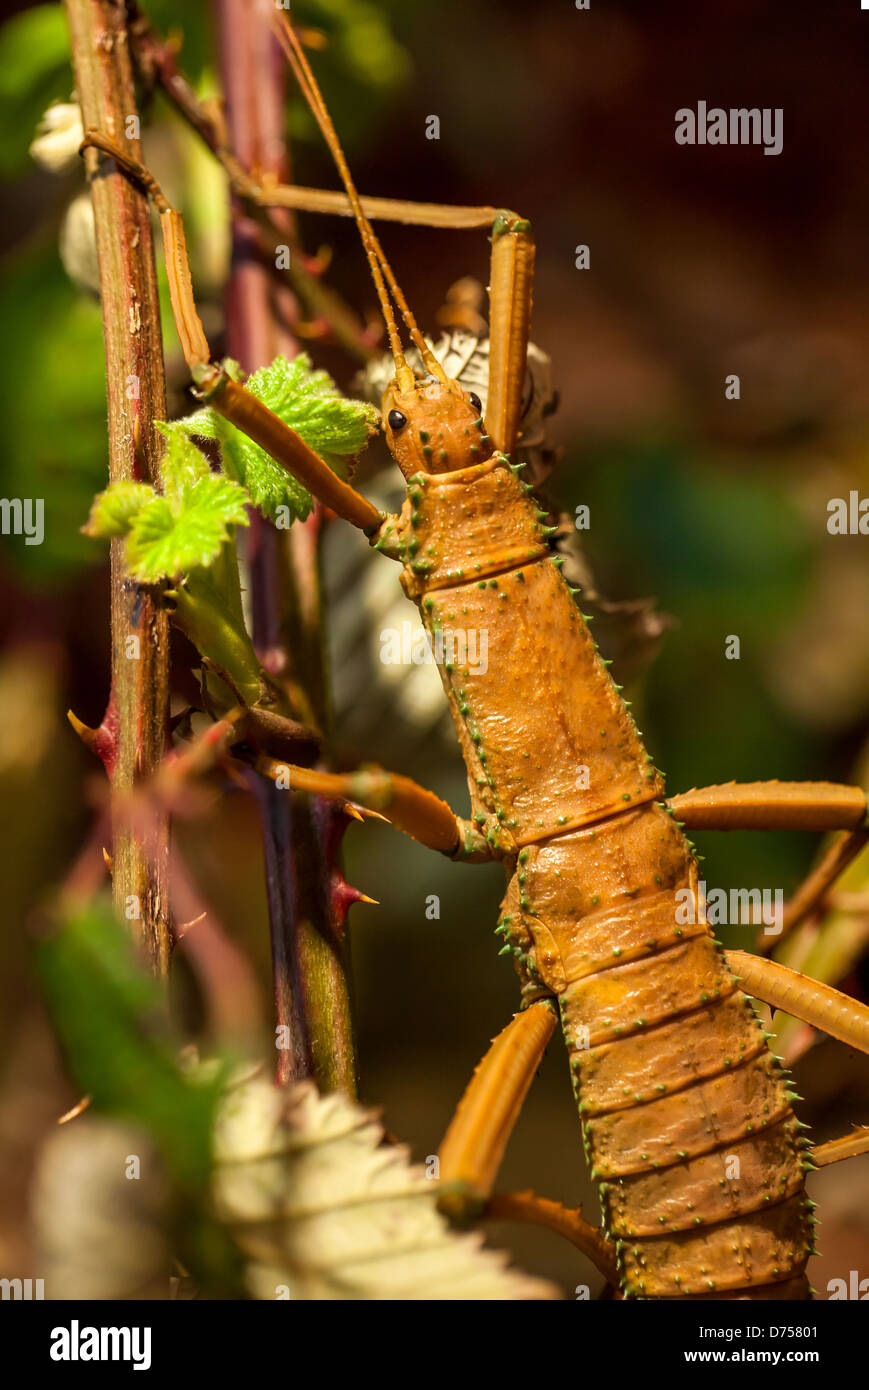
{"points": [[78, 244], [58, 137]]}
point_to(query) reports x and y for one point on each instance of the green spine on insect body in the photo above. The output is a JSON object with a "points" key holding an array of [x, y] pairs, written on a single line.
{"points": [[686, 1115]]}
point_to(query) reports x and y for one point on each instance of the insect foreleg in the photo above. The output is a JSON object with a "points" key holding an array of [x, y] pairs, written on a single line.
{"points": [[817, 1004], [194, 343], [255, 420], [771, 806], [227, 397], [511, 283]]}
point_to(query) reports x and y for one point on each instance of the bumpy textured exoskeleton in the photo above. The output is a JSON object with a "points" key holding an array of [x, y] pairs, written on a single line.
{"points": [[686, 1114]]}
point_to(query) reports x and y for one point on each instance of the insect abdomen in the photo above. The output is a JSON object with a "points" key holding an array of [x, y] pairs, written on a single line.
{"points": [[687, 1118]]}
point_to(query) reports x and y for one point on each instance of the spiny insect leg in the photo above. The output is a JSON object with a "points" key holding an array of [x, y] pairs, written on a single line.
{"points": [[259, 423], [408, 806], [848, 1146], [474, 1143], [771, 806], [819, 1005]]}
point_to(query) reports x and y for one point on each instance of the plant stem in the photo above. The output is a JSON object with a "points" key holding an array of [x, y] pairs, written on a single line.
{"points": [[155, 59], [310, 958], [135, 388]]}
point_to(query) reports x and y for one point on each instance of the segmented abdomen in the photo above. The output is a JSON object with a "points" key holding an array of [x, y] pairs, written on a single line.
{"points": [[686, 1115]]}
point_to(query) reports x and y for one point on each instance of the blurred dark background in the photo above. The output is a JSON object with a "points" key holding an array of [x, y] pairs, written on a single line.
{"points": [[705, 261]]}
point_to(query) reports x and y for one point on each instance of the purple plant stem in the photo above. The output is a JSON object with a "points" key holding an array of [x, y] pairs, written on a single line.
{"points": [[309, 955]]}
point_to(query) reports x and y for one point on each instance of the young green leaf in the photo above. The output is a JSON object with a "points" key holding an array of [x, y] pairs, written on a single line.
{"points": [[114, 510], [182, 464], [170, 538], [310, 403]]}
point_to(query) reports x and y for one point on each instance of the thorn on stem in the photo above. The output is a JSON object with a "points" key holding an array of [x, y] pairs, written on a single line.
{"points": [[101, 741], [183, 927], [76, 1110]]}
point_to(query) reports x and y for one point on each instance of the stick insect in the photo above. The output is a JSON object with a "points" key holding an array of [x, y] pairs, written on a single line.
{"points": [[687, 1116]]}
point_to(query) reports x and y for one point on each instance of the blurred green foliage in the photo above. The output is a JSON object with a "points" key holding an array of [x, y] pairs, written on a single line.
{"points": [[727, 554], [53, 405], [34, 71], [108, 1012]]}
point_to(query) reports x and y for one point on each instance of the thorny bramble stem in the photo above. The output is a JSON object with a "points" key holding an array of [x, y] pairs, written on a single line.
{"points": [[309, 958], [136, 720]]}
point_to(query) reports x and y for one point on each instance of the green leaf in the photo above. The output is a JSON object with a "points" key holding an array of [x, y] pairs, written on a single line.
{"points": [[106, 1009], [169, 539], [114, 511], [182, 465], [310, 403]]}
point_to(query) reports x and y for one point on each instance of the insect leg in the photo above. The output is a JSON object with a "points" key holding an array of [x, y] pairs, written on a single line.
{"points": [[411, 808], [216, 387], [259, 423], [772, 806], [817, 1004], [511, 283], [848, 1146], [813, 889], [565, 1221], [474, 1144]]}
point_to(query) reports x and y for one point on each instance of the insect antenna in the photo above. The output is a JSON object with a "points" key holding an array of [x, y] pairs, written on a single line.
{"points": [[380, 267]]}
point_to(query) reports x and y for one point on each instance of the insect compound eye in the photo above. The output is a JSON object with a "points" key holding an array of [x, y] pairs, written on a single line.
{"points": [[396, 419], [475, 401]]}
